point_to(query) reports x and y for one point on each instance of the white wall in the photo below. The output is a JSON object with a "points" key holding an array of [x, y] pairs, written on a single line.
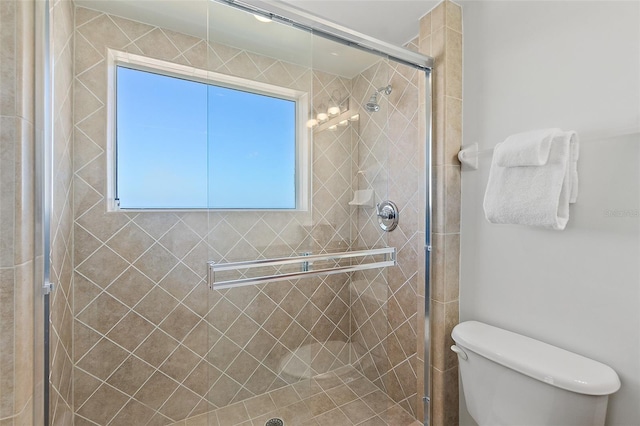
{"points": [[573, 65]]}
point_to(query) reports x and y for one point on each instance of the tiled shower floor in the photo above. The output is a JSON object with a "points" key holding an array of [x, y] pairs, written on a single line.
{"points": [[342, 397]]}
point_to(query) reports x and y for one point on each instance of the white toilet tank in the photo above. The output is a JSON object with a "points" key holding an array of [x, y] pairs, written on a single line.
{"points": [[512, 380]]}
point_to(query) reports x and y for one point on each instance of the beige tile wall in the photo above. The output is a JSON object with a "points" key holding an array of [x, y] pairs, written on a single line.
{"points": [[407, 187], [17, 221], [151, 342], [441, 37], [369, 289], [61, 333], [385, 306]]}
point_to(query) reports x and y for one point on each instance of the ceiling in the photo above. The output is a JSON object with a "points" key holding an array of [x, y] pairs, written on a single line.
{"points": [[220, 22]]}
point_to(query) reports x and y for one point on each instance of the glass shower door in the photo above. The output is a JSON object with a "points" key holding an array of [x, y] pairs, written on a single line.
{"points": [[139, 293], [281, 345], [259, 209]]}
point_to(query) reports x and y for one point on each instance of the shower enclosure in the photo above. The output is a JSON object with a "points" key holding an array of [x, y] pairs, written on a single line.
{"points": [[225, 263]]}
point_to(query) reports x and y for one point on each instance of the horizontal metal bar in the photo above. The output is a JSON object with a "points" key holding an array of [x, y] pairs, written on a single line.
{"points": [[304, 261], [302, 274], [292, 15], [216, 267]]}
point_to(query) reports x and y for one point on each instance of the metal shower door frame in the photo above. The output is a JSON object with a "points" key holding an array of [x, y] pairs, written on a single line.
{"points": [[428, 179], [43, 174]]}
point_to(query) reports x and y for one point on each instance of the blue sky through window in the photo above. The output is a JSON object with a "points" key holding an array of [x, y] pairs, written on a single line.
{"points": [[183, 144]]}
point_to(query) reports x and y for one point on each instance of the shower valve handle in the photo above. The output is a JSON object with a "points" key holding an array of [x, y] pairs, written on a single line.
{"points": [[387, 213]]}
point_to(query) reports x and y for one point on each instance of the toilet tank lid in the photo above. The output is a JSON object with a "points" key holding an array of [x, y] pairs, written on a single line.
{"points": [[536, 359]]}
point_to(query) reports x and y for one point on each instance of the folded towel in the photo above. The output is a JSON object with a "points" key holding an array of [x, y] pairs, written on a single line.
{"points": [[573, 166], [534, 195], [526, 149]]}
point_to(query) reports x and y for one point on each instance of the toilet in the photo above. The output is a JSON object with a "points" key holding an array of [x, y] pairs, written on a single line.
{"points": [[512, 380]]}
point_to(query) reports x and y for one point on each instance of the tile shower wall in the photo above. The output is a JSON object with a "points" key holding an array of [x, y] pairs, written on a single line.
{"points": [[369, 290], [441, 38], [406, 283], [387, 306], [61, 333], [151, 342], [17, 221]]}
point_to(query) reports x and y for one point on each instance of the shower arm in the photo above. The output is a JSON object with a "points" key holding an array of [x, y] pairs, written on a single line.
{"points": [[386, 90]]}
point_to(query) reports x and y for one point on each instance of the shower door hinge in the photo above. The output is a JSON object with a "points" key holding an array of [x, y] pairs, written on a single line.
{"points": [[47, 288]]}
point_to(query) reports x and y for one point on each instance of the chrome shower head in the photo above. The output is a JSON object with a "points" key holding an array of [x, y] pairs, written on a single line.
{"points": [[372, 105]]}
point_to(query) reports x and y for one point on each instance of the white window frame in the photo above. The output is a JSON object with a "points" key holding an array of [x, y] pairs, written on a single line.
{"points": [[170, 69]]}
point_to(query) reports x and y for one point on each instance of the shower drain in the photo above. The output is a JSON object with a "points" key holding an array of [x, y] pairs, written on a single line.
{"points": [[274, 422]]}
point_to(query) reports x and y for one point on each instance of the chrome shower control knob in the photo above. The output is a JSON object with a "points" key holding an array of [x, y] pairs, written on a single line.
{"points": [[388, 215]]}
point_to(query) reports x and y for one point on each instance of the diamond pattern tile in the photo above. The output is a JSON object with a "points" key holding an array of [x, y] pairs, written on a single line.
{"points": [[130, 331], [156, 262], [180, 281], [103, 313], [103, 405], [130, 242], [156, 390], [130, 375], [156, 305], [151, 265], [93, 267], [180, 240], [130, 287], [102, 359], [180, 363], [179, 322], [156, 348], [180, 403], [343, 397]]}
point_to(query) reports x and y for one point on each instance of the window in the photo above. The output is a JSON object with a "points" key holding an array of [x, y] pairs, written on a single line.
{"points": [[182, 138]]}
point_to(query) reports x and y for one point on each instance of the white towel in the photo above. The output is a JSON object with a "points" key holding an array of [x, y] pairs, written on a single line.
{"points": [[534, 195], [526, 149], [573, 167]]}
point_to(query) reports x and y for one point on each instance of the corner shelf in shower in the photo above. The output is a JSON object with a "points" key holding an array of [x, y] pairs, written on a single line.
{"points": [[362, 198], [236, 274]]}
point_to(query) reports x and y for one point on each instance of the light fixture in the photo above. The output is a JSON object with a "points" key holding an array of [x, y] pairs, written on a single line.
{"points": [[335, 102], [262, 18], [334, 108], [337, 113]]}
